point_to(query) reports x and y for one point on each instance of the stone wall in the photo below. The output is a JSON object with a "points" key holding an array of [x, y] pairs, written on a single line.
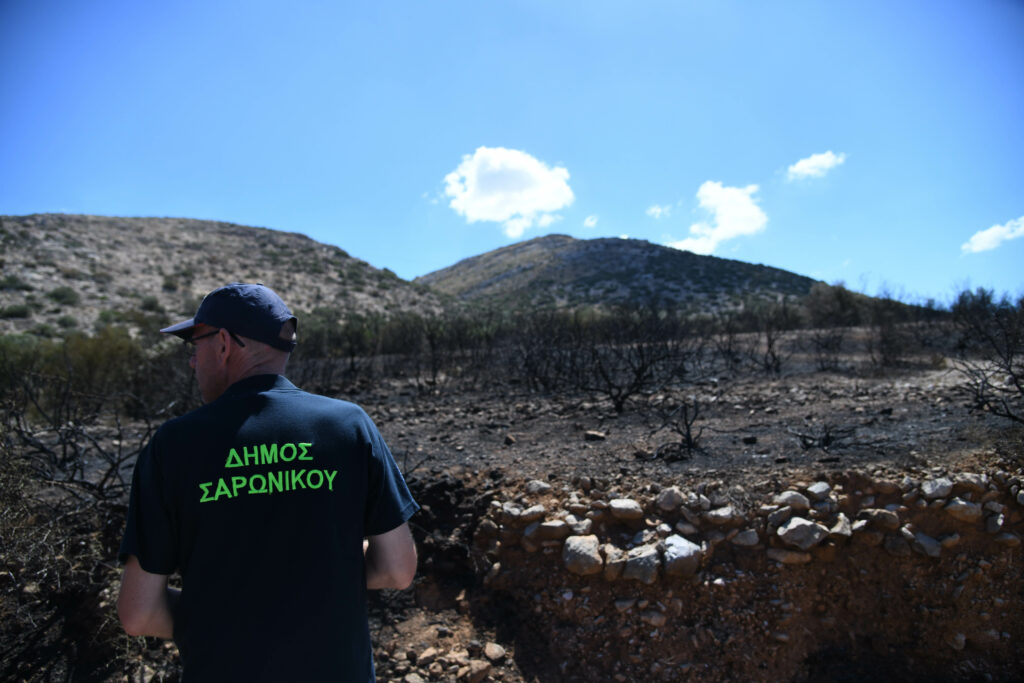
{"points": [[718, 582]]}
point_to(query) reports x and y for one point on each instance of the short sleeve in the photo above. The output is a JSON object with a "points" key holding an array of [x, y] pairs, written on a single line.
{"points": [[388, 501], [149, 531]]}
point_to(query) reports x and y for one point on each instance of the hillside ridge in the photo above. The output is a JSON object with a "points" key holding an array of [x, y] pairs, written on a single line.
{"points": [[562, 271]]}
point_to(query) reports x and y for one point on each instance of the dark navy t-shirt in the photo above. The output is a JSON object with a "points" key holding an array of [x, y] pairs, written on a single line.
{"points": [[261, 500]]}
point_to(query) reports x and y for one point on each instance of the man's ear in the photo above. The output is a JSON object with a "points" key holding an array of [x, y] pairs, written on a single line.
{"points": [[224, 349]]}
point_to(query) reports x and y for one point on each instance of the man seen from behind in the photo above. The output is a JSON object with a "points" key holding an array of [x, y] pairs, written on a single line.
{"points": [[262, 499]]}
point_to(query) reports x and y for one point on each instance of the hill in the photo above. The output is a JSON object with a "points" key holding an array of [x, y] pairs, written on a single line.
{"points": [[72, 272], [560, 271]]}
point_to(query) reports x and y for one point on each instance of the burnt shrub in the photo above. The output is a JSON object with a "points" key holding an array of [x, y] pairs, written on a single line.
{"points": [[991, 351]]}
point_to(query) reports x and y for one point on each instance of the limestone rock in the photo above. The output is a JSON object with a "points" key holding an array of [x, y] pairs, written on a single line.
{"points": [[532, 514], [975, 483], [819, 490], [788, 556], [887, 519], [581, 555], [802, 533], [682, 557], [842, 528], [746, 538], [926, 545], [537, 486], [614, 561], [670, 499], [554, 530], [780, 516], [494, 652], [626, 508], [793, 499], [475, 672], [642, 564], [723, 515], [936, 488], [963, 510]]}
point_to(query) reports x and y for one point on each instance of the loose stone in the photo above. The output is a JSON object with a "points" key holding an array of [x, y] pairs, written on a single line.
{"points": [[926, 545], [793, 499], [887, 519], [972, 482], [788, 556], [537, 486], [554, 530], [842, 528], [532, 514], [625, 604], [682, 557], [581, 555], [670, 499], [723, 515], [746, 538], [654, 618], [802, 533], [626, 509], [780, 516], [819, 490], [614, 561], [963, 510], [494, 652], [642, 564], [936, 488]]}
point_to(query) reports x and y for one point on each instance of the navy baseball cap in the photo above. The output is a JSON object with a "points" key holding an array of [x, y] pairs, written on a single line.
{"points": [[253, 311]]}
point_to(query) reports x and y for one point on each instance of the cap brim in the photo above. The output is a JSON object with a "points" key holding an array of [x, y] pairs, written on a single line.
{"points": [[182, 329]]}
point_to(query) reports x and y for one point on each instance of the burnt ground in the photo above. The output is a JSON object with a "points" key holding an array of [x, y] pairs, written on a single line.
{"points": [[759, 434], [464, 448]]}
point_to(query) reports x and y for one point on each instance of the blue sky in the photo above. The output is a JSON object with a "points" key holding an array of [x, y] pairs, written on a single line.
{"points": [[877, 143]]}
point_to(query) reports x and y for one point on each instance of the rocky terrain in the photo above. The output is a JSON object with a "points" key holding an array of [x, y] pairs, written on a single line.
{"points": [[64, 272], [554, 547]]}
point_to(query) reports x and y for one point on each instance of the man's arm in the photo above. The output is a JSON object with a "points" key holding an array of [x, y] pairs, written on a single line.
{"points": [[146, 604], [390, 559]]}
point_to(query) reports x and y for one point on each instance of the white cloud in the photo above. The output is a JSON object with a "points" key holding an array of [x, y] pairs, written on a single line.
{"points": [[815, 166], [984, 240], [659, 211], [734, 213], [510, 187], [590, 222], [547, 219]]}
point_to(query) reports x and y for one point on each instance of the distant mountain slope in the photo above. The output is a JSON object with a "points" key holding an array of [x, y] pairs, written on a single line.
{"points": [[560, 271], [68, 271]]}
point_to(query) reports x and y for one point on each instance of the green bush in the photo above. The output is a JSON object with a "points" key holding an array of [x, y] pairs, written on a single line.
{"points": [[16, 311], [67, 322], [14, 282], [152, 304], [65, 295]]}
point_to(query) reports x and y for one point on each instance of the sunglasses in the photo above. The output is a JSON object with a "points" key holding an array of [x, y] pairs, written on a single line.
{"points": [[190, 343]]}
